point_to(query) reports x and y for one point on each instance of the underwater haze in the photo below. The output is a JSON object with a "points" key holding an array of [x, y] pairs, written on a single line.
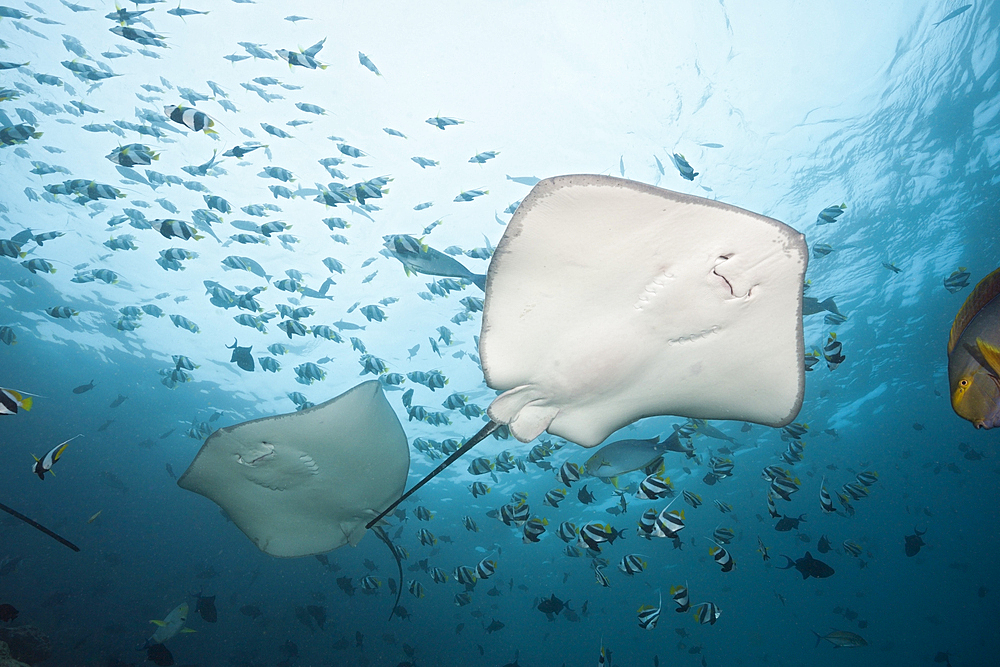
{"points": [[179, 182]]}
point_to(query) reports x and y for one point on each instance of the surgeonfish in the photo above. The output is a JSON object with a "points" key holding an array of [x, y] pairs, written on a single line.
{"points": [[171, 626], [974, 355], [44, 464], [685, 169]]}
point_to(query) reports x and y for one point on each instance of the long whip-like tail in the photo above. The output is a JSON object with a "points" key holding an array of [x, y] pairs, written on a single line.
{"points": [[35, 524], [382, 535], [472, 442]]}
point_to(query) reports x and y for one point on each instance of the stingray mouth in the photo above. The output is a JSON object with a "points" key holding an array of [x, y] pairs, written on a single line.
{"points": [[732, 290], [259, 456]]}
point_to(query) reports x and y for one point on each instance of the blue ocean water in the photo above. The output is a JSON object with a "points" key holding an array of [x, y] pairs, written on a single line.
{"points": [[784, 109]]}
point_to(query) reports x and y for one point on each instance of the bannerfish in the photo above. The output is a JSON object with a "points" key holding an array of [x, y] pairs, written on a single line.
{"points": [[44, 465]]}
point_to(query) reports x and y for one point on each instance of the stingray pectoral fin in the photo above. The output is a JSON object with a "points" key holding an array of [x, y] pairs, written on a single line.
{"points": [[991, 354], [522, 409]]}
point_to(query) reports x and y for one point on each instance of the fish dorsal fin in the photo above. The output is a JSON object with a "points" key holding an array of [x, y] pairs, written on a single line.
{"points": [[987, 290], [991, 354]]}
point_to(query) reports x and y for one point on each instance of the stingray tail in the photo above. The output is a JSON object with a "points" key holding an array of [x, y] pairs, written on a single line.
{"points": [[35, 524], [382, 535], [472, 442]]}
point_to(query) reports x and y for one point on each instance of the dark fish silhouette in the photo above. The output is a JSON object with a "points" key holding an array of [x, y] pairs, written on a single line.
{"points": [[823, 546], [242, 356], [345, 585], [118, 401], [318, 613], [206, 608], [958, 12], [809, 567], [253, 611], [787, 523], [84, 388], [913, 543], [586, 497], [290, 649], [811, 305], [494, 626], [158, 654], [7, 612], [552, 605]]}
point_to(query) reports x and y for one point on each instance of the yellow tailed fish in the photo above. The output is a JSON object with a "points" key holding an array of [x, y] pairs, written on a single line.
{"points": [[974, 355]]}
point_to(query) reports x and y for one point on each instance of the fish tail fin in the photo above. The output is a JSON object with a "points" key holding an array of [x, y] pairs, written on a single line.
{"points": [[830, 305], [819, 638], [26, 405]]}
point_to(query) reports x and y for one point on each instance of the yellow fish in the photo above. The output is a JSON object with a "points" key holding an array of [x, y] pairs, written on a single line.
{"points": [[974, 355]]}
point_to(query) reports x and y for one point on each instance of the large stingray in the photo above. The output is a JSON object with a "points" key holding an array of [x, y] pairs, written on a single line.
{"points": [[305, 483], [609, 300]]}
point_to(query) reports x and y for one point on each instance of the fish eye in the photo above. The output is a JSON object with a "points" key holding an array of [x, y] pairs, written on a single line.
{"points": [[964, 382]]}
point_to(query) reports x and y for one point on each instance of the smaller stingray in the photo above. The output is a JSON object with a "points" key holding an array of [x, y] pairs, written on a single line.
{"points": [[304, 483], [809, 567], [622, 456], [241, 356], [913, 543]]}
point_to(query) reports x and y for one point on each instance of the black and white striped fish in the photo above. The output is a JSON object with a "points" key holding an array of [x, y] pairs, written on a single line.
{"points": [[190, 118], [649, 615]]}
